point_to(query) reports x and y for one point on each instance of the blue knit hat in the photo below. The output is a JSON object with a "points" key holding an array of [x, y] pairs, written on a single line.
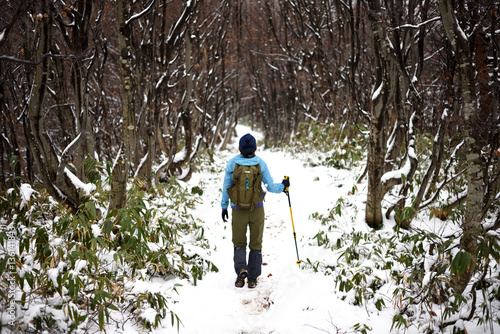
{"points": [[248, 145]]}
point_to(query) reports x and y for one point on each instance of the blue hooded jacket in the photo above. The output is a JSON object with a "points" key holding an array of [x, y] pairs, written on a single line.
{"points": [[242, 161]]}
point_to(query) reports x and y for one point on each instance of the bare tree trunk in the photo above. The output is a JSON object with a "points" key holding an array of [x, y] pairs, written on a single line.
{"points": [[81, 29], [229, 127], [436, 159], [229, 121], [379, 119], [121, 168], [53, 171], [393, 88], [186, 118], [4, 144], [471, 224]]}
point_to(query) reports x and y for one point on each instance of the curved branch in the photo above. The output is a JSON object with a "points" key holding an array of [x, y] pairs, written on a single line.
{"points": [[35, 63], [141, 14], [441, 186]]}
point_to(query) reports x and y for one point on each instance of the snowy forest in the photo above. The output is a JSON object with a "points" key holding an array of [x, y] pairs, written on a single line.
{"points": [[109, 109]]}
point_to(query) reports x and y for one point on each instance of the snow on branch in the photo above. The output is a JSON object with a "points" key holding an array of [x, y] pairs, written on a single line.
{"points": [[141, 164], [70, 145], [115, 161], [185, 16], [86, 188], [420, 25], [377, 91], [65, 154], [141, 14], [395, 177], [391, 141], [161, 166], [180, 156]]}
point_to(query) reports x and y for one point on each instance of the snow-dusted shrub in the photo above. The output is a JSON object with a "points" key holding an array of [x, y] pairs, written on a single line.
{"points": [[78, 272], [340, 146], [408, 273]]}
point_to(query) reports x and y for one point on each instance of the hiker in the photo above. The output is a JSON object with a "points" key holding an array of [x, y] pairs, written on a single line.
{"points": [[243, 180]]}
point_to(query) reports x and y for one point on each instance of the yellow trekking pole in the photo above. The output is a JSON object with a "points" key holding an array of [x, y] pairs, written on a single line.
{"points": [[293, 226]]}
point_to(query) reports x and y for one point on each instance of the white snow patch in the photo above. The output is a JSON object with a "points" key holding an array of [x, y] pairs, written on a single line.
{"points": [[52, 275], [25, 191], [96, 230]]}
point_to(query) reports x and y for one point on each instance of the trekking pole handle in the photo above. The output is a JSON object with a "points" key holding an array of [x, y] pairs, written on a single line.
{"points": [[287, 178]]}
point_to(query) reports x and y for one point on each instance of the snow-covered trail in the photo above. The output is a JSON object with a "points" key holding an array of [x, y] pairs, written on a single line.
{"points": [[287, 299]]}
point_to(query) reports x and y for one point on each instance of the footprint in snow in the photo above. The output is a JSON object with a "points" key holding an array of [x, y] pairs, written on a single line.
{"points": [[259, 303]]}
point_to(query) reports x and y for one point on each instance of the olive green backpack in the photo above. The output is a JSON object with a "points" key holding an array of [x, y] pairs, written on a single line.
{"points": [[246, 189]]}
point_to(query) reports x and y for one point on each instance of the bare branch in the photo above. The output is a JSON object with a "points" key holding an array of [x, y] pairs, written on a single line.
{"points": [[31, 63]]}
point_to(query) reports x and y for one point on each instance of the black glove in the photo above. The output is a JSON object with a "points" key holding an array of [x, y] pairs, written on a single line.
{"points": [[286, 183], [225, 216]]}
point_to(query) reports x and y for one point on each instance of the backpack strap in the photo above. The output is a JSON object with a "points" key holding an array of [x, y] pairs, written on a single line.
{"points": [[255, 180], [236, 176]]}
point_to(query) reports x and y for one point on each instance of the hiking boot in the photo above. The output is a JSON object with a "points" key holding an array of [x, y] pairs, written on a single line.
{"points": [[240, 280], [252, 284]]}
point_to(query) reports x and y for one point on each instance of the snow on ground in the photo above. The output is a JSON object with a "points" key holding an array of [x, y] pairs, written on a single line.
{"points": [[288, 299]]}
